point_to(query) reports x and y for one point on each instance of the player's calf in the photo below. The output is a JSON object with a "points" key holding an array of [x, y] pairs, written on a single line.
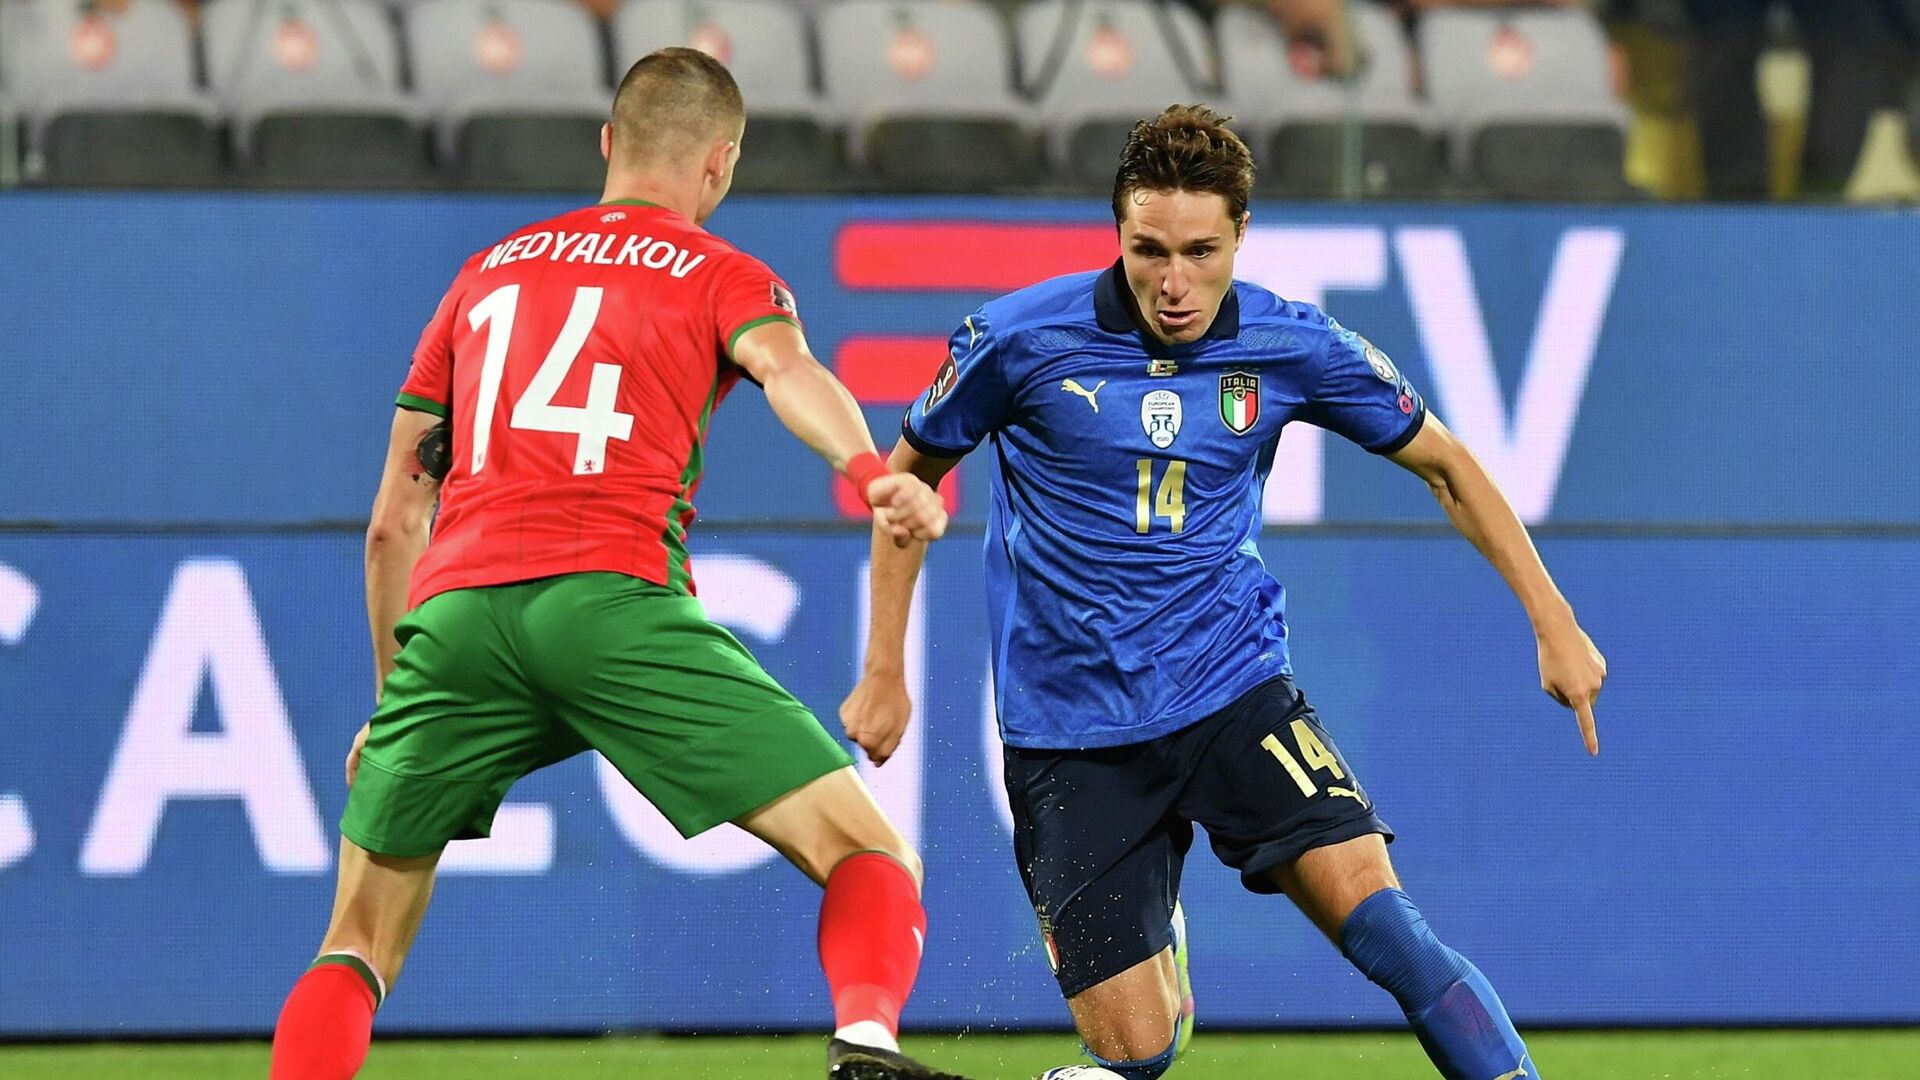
{"points": [[872, 931], [872, 925], [1451, 1006], [327, 1022]]}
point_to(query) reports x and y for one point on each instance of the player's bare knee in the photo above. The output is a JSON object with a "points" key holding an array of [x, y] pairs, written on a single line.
{"points": [[1132, 1017], [1132, 1034]]}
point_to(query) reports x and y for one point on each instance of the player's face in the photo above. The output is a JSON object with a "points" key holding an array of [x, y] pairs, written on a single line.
{"points": [[1177, 248], [718, 177]]}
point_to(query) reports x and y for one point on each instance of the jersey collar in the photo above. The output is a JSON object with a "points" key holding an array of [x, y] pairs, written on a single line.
{"points": [[1114, 312]]}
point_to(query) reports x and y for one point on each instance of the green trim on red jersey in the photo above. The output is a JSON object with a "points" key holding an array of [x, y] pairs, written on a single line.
{"points": [[420, 404], [678, 577], [751, 323], [628, 202]]}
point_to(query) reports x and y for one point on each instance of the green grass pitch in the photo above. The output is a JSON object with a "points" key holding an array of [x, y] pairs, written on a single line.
{"points": [[1661, 1055]]}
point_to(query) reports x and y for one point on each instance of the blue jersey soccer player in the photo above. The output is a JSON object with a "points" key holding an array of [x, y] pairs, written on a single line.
{"points": [[1139, 643]]}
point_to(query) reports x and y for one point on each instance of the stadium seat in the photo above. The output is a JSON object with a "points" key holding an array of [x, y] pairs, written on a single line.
{"points": [[10, 149], [108, 99], [1299, 121], [925, 88], [313, 90], [1095, 67], [1527, 99], [1912, 102], [790, 146], [516, 87]]}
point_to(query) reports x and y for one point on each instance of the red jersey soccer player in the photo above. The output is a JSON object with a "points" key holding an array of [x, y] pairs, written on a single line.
{"points": [[579, 361]]}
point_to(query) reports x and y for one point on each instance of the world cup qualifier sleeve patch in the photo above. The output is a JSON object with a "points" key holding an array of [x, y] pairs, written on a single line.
{"points": [[782, 298], [943, 381], [1378, 361]]}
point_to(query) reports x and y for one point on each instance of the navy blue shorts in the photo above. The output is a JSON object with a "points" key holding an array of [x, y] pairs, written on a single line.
{"points": [[1102, 835]]}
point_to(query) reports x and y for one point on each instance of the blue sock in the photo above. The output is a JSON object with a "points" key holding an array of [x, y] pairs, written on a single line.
{"points": [[1138, 1070], [1451, 1006]]}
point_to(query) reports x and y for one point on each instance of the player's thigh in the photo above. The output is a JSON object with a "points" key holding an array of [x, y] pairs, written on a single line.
{"points": [[672, 700], [378, 904], [825, 820], [1100, 854], [458, 723], [1269, 785]]}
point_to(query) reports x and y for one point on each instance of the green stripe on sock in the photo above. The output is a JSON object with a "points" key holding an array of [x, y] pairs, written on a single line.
{"points": [[360, 967]]}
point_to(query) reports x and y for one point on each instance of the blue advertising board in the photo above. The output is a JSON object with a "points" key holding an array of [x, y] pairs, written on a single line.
{"points": [[232, 358], [177, 708], [1712, 410]]}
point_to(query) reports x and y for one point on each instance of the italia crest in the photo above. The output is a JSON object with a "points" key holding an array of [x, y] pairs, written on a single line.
{"points": [[1239, 401]]}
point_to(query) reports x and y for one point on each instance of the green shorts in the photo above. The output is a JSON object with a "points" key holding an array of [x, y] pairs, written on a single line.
{"points": [[493, 683]]}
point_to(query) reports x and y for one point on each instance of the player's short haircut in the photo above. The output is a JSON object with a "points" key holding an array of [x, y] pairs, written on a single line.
{"points": [[671, 101], [1185, 148]]}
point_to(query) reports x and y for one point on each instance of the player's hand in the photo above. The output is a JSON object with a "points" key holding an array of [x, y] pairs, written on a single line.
{"points": [[906, 508], [1571, 672], [353, 754], [875, 715]]}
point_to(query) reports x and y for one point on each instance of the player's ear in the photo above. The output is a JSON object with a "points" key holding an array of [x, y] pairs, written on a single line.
{"points": [[606, 142], [1240, 229], [717, 159]]}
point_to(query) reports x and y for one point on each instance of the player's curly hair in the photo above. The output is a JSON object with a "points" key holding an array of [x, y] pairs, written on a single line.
{"points": [[1185, 148]]}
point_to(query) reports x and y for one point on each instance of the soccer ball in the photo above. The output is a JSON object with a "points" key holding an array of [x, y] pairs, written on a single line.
{"points": [[1080, 1072]]}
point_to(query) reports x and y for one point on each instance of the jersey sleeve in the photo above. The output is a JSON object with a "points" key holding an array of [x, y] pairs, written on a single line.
{"points": [[968, 398], [1362, 396], [429, 385], [747, 294]]}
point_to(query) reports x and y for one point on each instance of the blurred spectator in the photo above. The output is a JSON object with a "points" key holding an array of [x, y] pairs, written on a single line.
{"points": [[1318, 39], [1319, 35], [1853, 52]]}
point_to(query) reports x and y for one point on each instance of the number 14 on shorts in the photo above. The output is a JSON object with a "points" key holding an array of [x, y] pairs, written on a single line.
{"points": [[1317, 756]]}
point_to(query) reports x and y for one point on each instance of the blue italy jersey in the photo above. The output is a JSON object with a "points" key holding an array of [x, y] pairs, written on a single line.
{"points": [[1125, 593]]}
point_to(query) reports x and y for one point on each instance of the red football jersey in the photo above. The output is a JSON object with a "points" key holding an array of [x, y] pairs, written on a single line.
{"points": [[580, 359]]}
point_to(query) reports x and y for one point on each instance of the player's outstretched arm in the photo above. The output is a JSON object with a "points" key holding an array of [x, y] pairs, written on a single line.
{"points": [[816, 408], [397, 533], [875, 715], [1571, 668]]}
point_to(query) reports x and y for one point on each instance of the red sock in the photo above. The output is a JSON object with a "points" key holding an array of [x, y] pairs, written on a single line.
{"points": [[872, 928], [327, 1022]]}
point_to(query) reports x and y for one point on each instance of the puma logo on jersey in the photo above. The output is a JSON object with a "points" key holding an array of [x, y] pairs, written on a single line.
{"points": [[1073, 387], [1349, 793], [1516, 1074]]}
